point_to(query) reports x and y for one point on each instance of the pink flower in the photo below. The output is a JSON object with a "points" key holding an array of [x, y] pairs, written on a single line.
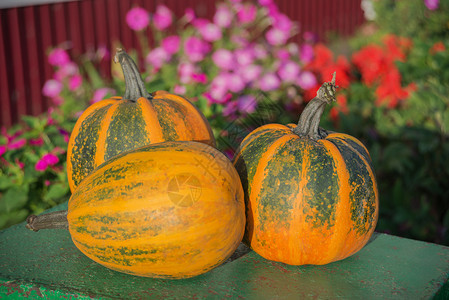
{"points": [[244, 56], [20, 164], [157, 57], [260, 52], [100, 94], [306, 53], [247, 13], [230, 109], [235, 83], [212, 98], [306, 80], [58, 57], [265, 2], [50, 159], [162, 17], [224, 59], [185, 71], [179, 89], [3, 149], [210, 32], [276, 36], [17, 144], [196, 48], [52, 88], [75, 82], [432, 4], [246, 104], [283, 54], [67, 70], [223, 17], [47, 182], [289, 71], [189, 15], [171, 44], [282, 22], [37, 142], [250, 73], [269, 82], [137, 18], [199, 77]]}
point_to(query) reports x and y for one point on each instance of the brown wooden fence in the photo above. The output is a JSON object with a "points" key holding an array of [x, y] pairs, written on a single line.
{"points": [[28, 32]]}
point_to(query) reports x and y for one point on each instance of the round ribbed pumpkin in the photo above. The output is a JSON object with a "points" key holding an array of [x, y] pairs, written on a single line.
{"points": [[311, 195], [168, 210], [119, 124]]}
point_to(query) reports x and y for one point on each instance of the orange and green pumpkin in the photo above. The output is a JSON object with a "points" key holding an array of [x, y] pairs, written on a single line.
{"points": [[311, 195], [112, 126], [168, 210]]}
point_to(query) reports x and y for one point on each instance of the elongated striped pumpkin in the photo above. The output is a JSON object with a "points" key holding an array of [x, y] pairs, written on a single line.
{"points": [[112, 126], [168, 210], [311, 195]]}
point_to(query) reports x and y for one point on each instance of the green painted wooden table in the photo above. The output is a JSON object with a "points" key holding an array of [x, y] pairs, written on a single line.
{"points": [[47, 264]]}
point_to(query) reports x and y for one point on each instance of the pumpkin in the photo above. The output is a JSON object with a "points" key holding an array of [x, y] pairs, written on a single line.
{"points": [[112, 126], [167, 210], [311, 195]]}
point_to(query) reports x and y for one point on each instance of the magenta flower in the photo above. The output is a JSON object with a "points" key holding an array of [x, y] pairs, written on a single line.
{"points": [[162, 17], [276, 36], [17, 144], [281, 22], [199, 77], [46, 161], [283, 54], [306, 80], [75, 82], [230, 109], [432, 4], [210, 32], [224, 59], [246, 104], [157, 57], [212, 98], [289, 71], [20, 164], [137, 18], [260, 52], [52, 88], [269, 82], [247, 13], [196, 48], [223, 17], [265, 2], [58, 57], [171, 44], [37, 142], [3, 149]]}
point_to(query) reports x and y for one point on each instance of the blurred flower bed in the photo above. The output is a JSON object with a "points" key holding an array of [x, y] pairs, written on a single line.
{"points": [[241, 71]]}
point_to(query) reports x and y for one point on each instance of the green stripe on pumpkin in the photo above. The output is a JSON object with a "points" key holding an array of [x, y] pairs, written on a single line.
{"points": [[83, 152], [363, 196], [165, 114], [126, 130]]}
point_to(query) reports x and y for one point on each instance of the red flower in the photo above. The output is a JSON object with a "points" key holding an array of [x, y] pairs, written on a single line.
{"points": [[437, 47]]}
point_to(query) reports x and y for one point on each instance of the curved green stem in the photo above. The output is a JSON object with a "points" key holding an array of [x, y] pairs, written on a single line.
{"points": [[52, 220], [309, 121], [135, 87]]}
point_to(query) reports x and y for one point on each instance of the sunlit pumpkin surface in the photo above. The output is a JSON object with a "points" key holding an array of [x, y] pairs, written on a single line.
{"points": [[308, 202], [112, 126], [171, 210]]}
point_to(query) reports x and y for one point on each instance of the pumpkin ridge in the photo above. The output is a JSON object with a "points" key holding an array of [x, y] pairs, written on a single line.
{"points": [[102, 135], [340, 233], [258, 179], [150, 118], [343, 137]]}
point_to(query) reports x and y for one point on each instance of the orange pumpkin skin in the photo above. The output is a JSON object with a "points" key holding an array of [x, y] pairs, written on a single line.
{"points": [[309, 199], [167, 210], [112, 126]]}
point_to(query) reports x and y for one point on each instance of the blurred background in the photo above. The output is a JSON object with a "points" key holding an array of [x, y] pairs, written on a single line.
{"points": [[243, 64]]}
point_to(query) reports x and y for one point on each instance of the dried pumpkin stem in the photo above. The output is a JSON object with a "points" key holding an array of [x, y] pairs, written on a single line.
{"points": [[53, 220], [135, 87], [309, 121]]}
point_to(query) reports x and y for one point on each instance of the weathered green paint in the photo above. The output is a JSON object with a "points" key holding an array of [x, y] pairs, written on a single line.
{"points": [[47, 264]]}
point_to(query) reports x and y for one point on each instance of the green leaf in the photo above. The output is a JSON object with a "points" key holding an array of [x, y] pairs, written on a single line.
{"points": [[12, 218], [5, 182], [14, 198], [56, 191]]}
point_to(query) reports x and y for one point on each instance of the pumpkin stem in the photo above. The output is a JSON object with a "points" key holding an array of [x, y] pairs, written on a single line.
{"points": [[309, 121], [135, 88], [52, 220]]}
